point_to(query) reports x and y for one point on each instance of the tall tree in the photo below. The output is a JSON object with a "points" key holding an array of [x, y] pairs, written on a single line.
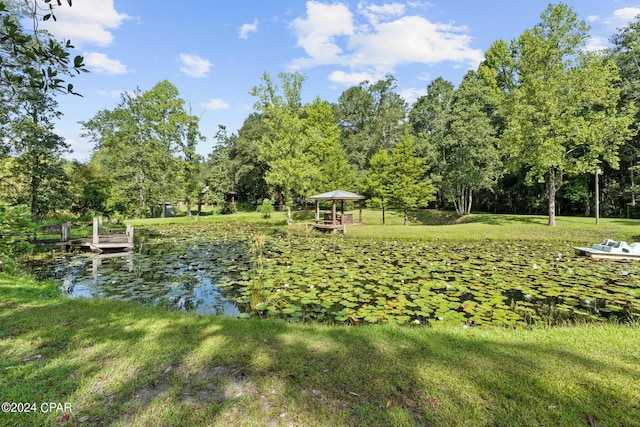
{"points": [[137, 147], [427, 118], [409, 186], [284, 147], [376, 184], [218, 175], [38, 149], [564, 118], [246, 166], [328, 157], [371, 117], [33, 67], [626, 53], [468, 155]]}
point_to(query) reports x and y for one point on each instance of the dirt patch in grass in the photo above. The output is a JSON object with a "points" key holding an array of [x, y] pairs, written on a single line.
{"points": [[197, 385]]}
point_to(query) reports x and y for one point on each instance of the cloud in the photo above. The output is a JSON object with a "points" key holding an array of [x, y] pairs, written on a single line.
{"points": [[86, 22], [215, 104], [317, 33], [100, 63], [377, 40], [116, 94], [194, 66], [597, 43], [376, 13], [621, 17], [413, 39], [245, 29], [352, 79], [412, 94]]}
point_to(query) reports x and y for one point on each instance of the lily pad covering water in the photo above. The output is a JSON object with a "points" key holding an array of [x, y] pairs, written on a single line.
{"points": [[208, 268]]}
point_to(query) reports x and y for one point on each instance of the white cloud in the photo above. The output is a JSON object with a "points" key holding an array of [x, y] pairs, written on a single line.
{"points": [[194, 66], [245, 29], [596, 43], [621, 17], [116, 94], [413, 39], [215, 104], [352, 79], [102, 64], [318, 32], [376, 13], [412, 94], [331, 35], [86, 22]]}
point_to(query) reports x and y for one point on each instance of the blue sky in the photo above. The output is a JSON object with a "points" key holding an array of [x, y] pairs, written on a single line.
{"points": [[215, 51]]}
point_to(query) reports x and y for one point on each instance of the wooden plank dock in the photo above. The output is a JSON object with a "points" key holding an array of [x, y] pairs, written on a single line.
{"points": [[98, 242]]}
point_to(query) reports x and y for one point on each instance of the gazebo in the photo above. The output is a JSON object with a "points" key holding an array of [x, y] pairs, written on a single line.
{"points": [[333, 220]]}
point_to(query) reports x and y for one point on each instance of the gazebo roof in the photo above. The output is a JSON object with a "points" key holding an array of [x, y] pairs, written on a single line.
{"points": [[337, 195]]}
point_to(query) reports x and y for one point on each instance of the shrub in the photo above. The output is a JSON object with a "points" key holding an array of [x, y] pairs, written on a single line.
{"points": [[16, 229], [265, 208]]}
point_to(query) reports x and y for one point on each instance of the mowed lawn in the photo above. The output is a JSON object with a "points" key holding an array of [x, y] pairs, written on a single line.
{"points": [[113, 363]]}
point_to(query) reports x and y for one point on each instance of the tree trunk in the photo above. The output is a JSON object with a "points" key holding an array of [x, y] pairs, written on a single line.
{"points": [[383, 211], [633, 186], [406, 216], [551, 193], [34, 185]]}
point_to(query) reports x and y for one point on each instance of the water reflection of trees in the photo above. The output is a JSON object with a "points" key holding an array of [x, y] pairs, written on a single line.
{"points": [[182, 274]]}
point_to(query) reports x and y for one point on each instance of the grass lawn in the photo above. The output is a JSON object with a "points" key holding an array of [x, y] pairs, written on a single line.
{"points": [[119, 364], [114, 363]]}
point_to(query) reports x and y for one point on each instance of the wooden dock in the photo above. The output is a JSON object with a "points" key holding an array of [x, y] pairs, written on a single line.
{"points": [[98, 242], [110, 242]]}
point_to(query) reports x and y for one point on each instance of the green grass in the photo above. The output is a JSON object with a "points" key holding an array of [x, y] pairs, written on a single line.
{"points": [[437, 225], [120, 364]]}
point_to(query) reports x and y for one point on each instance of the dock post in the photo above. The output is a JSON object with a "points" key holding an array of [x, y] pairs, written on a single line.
{"points": [[65, 231], [96, 231], [130, 234]]}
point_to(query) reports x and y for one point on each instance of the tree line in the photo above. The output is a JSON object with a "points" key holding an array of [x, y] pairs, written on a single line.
{"points": [[525, 132]]}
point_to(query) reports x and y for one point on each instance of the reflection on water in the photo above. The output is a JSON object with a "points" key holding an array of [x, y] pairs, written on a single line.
{"points": [[183, 275]]}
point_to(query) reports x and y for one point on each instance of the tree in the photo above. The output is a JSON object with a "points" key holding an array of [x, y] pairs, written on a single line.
{"points": [[376, 184], [626, 51], [218, 175], [191, 161], [469, 157], [246, 166], [427, 118], [33, 67], [88, 187], [328, 157], [34, 60], [564, 117], [37, 150], [138, 145], [427, 113], [371, 117], [284, 147], [409, 187]]}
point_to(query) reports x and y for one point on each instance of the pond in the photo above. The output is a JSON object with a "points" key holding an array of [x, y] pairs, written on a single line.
{"points": [[210, 269]]}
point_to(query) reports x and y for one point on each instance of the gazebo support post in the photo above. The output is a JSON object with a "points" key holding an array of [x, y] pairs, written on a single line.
{"points": [[342, 210], [317, 211], [360, 211], [333, 212]]}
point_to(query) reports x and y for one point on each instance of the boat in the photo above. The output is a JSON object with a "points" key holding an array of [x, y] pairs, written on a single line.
{"points": [[611, 249]]}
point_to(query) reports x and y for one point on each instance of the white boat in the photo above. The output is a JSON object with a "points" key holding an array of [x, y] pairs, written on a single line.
{"points": [[611, 249]]}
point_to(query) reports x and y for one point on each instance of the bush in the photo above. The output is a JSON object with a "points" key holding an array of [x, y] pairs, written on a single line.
{"points": [[16, 229], [265, 208]]}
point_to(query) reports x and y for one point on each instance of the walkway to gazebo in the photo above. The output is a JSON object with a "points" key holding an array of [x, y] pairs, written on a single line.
{"points": [[332, 221]]}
